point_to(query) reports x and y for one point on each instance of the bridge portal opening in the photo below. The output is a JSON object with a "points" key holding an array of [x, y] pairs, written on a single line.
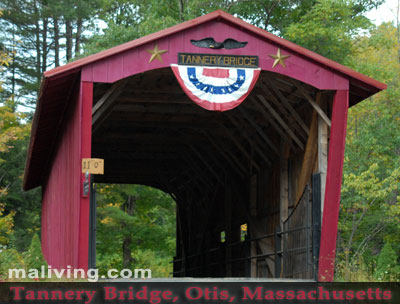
{"points": [[243, 180]]}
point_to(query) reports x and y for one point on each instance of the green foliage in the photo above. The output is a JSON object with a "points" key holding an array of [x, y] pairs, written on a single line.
{"points": [[274, 16], [370, 206], [6, 227], [151, 228], [11, 128], [39, 34], [328, 27], [358, 270], [24, 206], [33, 258], [388, 268], [160, 265], [10, 259]]}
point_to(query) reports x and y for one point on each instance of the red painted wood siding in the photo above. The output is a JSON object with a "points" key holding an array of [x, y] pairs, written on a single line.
{"points": [[86, 96], [65, 216], [136, 60], [327, 253]]}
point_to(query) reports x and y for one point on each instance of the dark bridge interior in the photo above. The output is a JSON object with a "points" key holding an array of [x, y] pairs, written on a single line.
{"points": [[249, 165]]}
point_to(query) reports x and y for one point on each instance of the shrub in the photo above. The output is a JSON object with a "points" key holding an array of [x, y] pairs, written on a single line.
{"points": [[388, 268]]}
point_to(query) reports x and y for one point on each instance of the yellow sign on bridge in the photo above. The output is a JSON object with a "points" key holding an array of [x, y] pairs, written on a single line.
{"points": [[93, 165]]}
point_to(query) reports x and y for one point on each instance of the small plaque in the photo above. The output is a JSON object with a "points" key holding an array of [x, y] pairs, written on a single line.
{"points": [[238, 61], [93, 165]]}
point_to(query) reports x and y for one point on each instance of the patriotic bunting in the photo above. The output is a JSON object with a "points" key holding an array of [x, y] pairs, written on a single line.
{"points": [[216, 88]]}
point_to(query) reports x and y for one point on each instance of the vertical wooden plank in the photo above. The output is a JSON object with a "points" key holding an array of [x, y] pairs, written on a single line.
{"points": [[284, 190], [284, 182], [323, 148], [228, 226], [310, 155], [86, 101], [253, 213], [333, 184]]}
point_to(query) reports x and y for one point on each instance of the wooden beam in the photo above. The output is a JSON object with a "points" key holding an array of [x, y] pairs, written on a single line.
{"points": [[153, 107], [115, 87], [289, 107], [310, 155], [259, 130], [323, 150], [232, 159], [240, 147], [291, 121], [228, 227], [211, 169], [284, 192], [265, 244], [102, 108], [192, 164], [327, 253], [281, 122], [315, 105], [253, 212], [281, 132], [247, 136]]}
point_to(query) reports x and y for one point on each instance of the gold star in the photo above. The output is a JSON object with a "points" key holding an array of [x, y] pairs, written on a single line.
{"points": [[279, 59], [156, 53]]}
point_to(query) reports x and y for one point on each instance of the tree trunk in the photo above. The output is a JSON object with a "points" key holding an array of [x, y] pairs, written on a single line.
{"points": [[13, 79], [129, 208], [68, 37], [78, 36], [56, 42], [37, 42], [44, 44], [181, 10]]}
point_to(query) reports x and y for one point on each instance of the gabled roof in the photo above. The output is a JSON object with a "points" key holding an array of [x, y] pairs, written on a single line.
{"points": [[59, 86], [219, 14]]}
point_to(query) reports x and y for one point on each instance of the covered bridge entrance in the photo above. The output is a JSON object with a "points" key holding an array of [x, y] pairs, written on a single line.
{"points": [[244, 129]]}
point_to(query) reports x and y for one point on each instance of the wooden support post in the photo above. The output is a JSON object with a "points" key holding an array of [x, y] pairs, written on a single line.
{"points": [[284, 192], [228, 227], [278, 256], [310, 155], [85, 102], [253, 213], [284, 183], [333, 184], [323, 148]]}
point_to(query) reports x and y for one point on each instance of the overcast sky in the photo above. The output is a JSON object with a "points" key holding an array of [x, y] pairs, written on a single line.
{"points": [[386, 12]]}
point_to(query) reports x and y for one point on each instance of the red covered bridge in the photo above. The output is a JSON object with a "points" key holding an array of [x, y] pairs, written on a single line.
{"points": [[238, 125]]}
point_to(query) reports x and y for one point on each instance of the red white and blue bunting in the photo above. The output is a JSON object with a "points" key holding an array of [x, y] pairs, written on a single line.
{"points": [[216, 88]]}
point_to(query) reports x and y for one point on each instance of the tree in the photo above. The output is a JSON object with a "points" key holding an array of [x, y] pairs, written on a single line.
{"points": [[328, 27], [34, 31], [134, 223], [33, 257], [388, 267], [370, 206]]}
